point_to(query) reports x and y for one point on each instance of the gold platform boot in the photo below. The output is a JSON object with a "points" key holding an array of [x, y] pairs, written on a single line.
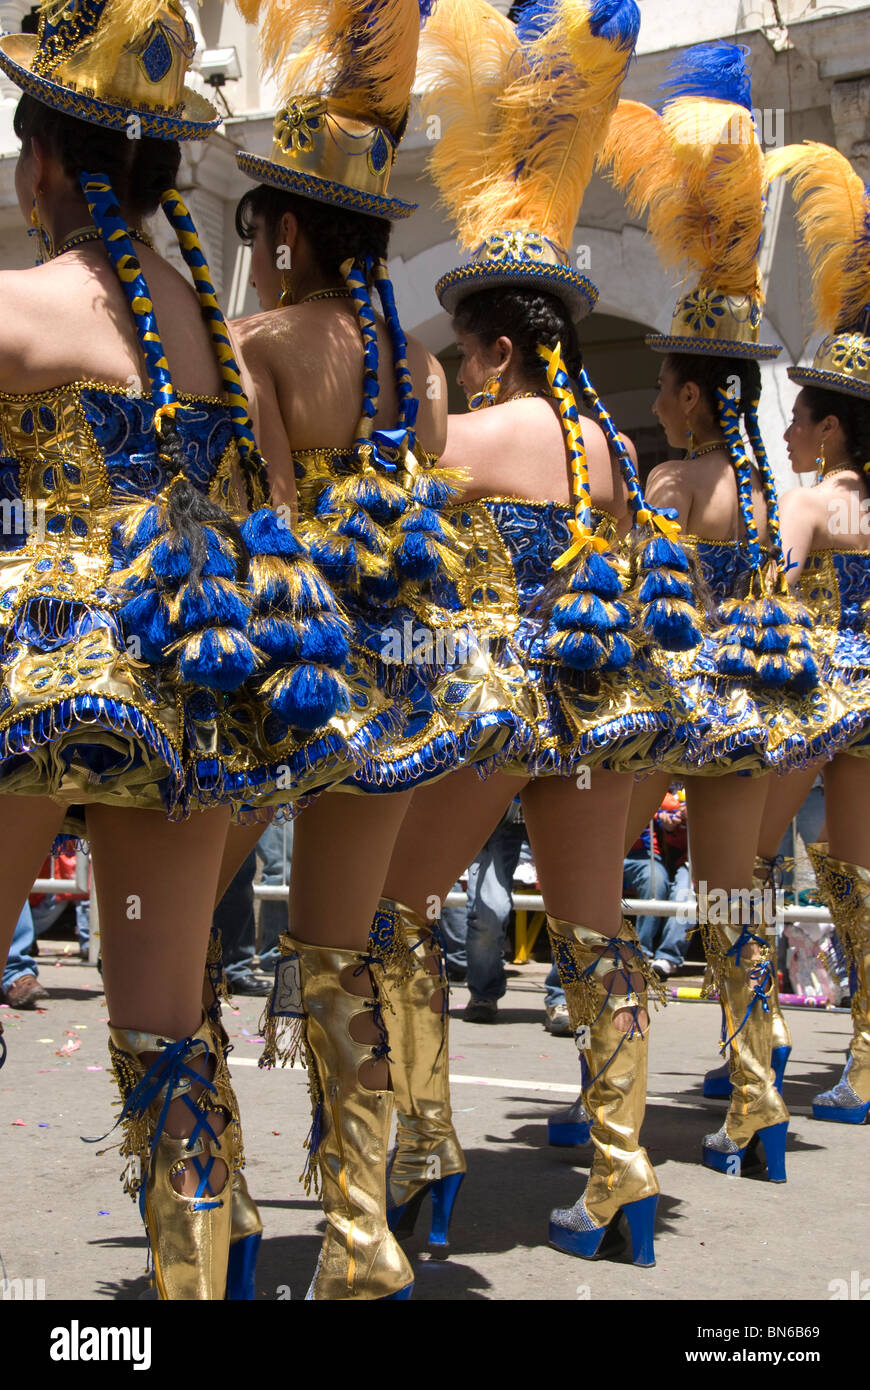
{"points": [[246, 1228], [845, 889], [740, 960], [766, 878], [360, 1257], [621, 1179], [409, 965], [189, 1236]]}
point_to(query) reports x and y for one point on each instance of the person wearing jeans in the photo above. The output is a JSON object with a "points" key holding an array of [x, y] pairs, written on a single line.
{"points": [[273, 850], [20, 986], [490, 885]]}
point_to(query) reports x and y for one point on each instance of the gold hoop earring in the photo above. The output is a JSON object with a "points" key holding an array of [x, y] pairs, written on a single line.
{"points": [[820, 464], [44, 243], [481, 400], [286, 291]]}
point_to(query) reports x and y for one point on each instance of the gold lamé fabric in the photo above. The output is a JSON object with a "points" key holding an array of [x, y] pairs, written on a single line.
{"points": [[454, 697], [507, 587], [82, 718]]}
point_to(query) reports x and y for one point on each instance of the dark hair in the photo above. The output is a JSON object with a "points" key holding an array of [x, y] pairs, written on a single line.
{"points": [[528, 317], [714, 373], [334, 234], [138, 170], [852, 413]]}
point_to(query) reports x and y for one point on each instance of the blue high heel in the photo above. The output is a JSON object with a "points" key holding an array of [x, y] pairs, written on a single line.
{"points": [[641, 1217], [717, 1083], [403, 1294], [241, 1269], [569, 1128], [772, 1140], [841, 1105], [402, 1219]]}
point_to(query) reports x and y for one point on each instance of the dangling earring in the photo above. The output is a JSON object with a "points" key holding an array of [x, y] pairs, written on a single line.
{"points": [[488, 396], [820, 464], [286, 291], [690, 437], [45, 245]]}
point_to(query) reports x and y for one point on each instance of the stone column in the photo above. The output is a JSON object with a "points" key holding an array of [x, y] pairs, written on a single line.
{"points": [[850, 108]]}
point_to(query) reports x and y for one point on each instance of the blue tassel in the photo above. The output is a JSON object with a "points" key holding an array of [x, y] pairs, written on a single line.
{"points": [[146, 617], [596, 575], [278, 640], [212, 603], [324, 641], [217, 659], [620, 654], [340, 559], [579, 650], [773, 640], [432, 489], [417, 558], [307, 697], [264, 533], [582, 611], [382, 500], [149, 526], [736, 661], [773, 670], [661, 553], [380, 588], [662, 584], [772, 614], [360, 527], [672, 625], [171, 558]]}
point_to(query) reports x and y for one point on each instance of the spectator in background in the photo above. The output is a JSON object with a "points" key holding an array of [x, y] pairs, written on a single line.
{"points": [[20, 986], [490, 902], [644, 875], [668, 950], [273, 851], [235, 919]]}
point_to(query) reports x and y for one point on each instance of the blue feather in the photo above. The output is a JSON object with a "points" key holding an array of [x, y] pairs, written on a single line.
{"points": [[535, 19], [711, 70], [616, 20]]}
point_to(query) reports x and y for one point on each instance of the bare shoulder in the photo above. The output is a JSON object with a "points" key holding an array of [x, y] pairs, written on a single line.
{"points": [[805, 504], [669, 476]]}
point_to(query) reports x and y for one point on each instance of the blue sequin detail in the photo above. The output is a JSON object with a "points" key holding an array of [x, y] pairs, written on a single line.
{"points": [[156, 58]]}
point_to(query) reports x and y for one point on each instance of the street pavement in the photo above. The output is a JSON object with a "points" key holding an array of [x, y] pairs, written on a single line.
{"points": [[64, 1219]]}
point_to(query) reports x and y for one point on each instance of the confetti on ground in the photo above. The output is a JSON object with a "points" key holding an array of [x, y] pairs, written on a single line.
{"points": [[71, 1045], [96, 1069], [43, 1124], [45, 1040], [19, 1122], [80, 1025], [104, 1213]]}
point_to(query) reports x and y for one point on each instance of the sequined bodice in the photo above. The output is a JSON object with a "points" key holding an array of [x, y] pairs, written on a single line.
{"points": [[723, 564], [836, 586], [70, 455]]}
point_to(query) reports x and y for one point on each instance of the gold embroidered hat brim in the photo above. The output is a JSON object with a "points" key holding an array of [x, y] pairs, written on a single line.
{"points": [[195, 120], [321, 190], [712, 347], [830, 381], [576, 292]]}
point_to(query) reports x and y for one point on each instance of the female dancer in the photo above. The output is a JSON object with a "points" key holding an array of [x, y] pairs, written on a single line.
{"points": [[825, 537], [752, 687], [363, 442], [125, 607], [547, 90]]}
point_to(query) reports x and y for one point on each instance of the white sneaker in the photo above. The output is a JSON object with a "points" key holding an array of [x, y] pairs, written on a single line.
{"points": [[663, 967]]}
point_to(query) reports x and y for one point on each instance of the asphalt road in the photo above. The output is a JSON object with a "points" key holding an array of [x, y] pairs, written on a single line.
{"points": [[64, 1219]]}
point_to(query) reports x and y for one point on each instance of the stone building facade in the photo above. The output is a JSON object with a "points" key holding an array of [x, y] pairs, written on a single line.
{"points": [[811, 80]]}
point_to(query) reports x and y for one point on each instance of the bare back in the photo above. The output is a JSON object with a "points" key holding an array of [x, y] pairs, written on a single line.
{"points": [[304, 369], [704, 493], [518, 450], [70, 320]]}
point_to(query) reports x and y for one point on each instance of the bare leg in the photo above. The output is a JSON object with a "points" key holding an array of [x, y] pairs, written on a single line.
{"points": [[785, 796], [446, 826], [847, 784], [646, 798], [725, 816], [241, 839], [28, 827]]}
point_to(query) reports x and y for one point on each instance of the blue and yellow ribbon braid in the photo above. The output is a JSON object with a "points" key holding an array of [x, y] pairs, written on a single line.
{"points": [[191, 249], [753, 429], [408, 403], [581, 525], [643, 512], [106, 214], [355, 274], [729, 420]]}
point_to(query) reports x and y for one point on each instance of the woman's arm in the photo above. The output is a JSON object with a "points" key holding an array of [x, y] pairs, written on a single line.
{"points": [[798, 514], [669, 486], [269, 428]]}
